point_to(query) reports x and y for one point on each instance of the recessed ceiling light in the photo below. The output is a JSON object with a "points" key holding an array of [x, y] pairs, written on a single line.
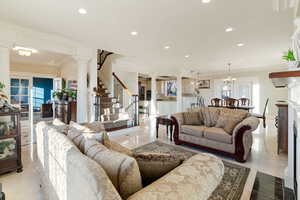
{"points": [[134, 33], [167, 47], [229, 29], [205, 1], [82, 11], [240, 44], [187, 56]]}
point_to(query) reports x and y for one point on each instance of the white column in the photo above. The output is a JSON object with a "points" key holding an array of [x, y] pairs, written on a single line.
{"points": [[82, 90], [5, 68], [179, 93], [93, 74], [153, 95]]}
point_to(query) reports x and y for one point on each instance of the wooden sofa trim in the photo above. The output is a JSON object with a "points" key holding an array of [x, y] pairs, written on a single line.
{"points": [[239, 147]]}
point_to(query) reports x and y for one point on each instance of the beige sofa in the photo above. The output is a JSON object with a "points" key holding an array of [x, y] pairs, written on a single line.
{"points": [[207, 131], [68, 174]]}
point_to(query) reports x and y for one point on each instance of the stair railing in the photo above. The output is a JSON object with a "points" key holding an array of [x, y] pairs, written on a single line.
{"points": [[133, 104]]}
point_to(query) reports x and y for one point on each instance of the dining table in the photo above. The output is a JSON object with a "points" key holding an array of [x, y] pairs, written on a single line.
{"points": [[248, 108]]}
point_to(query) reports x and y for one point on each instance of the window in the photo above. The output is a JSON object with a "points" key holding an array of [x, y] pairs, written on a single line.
{"points": [[19, 91]]}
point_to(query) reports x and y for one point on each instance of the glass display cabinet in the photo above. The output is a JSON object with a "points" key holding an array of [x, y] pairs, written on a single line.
{"points": [[10, 140]]}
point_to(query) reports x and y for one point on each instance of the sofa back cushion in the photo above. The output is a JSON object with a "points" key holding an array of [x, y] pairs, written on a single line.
{"points": [[65, 172], [79, 135], [122, 170], [94, 126], [60, 126], [192, 118], [210, 116]]}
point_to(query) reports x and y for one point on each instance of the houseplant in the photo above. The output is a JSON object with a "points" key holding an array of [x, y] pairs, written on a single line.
{"points": [[3, 97], [291, 61]]}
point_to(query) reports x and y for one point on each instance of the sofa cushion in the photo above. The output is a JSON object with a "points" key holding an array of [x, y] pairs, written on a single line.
{"points": [[114, 146], [210, 116], [217, 134], [192, 118], [79, 136], [122, 170], [229, 122], [193, 130], [234, 112], [81, 127], [60, 126], [155, 165], [94, 126]]}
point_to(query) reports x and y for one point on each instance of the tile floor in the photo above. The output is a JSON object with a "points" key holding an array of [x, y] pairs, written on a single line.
{"points": [[25, 185]]}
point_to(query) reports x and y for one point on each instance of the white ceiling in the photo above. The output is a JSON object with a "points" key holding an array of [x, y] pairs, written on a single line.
{"points": [[188, 27], [42, 58]]}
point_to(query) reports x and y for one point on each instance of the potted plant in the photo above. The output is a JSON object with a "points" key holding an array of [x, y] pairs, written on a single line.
{"points": [[57, 95], [3, 97], [291, 61]]}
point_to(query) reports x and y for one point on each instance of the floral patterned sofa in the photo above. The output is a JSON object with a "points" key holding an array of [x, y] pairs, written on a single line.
{"points": [[73, 167], [219, 130]]}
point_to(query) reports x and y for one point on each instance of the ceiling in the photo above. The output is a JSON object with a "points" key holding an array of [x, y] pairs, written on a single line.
{"points": [[188, 27], [41, 58]]}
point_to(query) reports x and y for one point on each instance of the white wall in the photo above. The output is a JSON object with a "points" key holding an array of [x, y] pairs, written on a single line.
{"points": [[105, 73], [68, 70]]}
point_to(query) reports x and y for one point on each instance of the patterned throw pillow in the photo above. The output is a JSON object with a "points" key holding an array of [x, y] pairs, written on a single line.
{"points": [[228, 122], [210, 116], [114, 146], [122, 170], [155, 165], [192, 118], [60, 126], [79, 135], [95, 126]]}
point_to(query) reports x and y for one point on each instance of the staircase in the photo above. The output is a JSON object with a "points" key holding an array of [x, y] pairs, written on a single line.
{"points": [[110, 111]]}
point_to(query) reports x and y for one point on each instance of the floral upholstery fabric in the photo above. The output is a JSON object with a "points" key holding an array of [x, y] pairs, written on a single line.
{"points": [[60, 126], [122, 170], [114, 146], [217, 134], [210, 116], [95, 126], [154, 165], [192, 118], [66, 173], [79, 136], [193, 130], [195, 179]]}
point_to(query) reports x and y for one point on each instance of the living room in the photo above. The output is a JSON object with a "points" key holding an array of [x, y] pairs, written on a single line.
{"points": [[135, 100]]}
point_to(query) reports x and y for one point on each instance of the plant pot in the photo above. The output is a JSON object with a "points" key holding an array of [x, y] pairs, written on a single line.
{"points": [[293, 65]]}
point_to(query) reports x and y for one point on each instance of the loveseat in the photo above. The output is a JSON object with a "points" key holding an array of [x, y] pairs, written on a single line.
{"points": [[69, 174], [219, 130]]}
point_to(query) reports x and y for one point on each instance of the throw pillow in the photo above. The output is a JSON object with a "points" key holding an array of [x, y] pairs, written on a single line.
{"points": [[228, 122], [210, 116], [192, 118], [79, 136], [95, 126], [60, 126], [122, 170], [155, 165], [114, 146]]}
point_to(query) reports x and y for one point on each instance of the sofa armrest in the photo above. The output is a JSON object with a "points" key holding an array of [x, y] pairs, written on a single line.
{"points": [[178, 121], [196, 178], [242, 136]]}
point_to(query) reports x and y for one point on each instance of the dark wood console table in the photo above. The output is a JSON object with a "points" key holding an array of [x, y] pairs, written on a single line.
{"points": [[165, 120]]}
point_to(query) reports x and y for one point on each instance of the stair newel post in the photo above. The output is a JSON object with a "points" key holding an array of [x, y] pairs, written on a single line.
{"points": [[136, 109]]}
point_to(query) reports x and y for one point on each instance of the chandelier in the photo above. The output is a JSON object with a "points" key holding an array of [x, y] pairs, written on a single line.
{"points": [[23, 51], [229, 81]]}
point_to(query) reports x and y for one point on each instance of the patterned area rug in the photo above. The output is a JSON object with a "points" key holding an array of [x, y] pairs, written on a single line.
{"points": [[234, 179]]}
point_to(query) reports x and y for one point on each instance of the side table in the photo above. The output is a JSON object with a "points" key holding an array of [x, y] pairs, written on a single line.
{"points": [[165, 120]]}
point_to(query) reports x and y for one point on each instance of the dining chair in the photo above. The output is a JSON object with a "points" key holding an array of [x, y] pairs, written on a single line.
{"points": [[216, 102], [262, 116], [230, 102], [244, 102]]}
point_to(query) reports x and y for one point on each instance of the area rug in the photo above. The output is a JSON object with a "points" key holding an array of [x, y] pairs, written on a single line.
{"points": [[234, 179]]}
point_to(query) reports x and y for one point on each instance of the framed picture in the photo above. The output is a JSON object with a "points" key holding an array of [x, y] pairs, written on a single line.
{"points": [[171, 88], [203, 84]]}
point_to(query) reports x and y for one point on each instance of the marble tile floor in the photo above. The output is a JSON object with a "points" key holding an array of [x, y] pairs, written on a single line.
{"points": [[263, 158]]}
